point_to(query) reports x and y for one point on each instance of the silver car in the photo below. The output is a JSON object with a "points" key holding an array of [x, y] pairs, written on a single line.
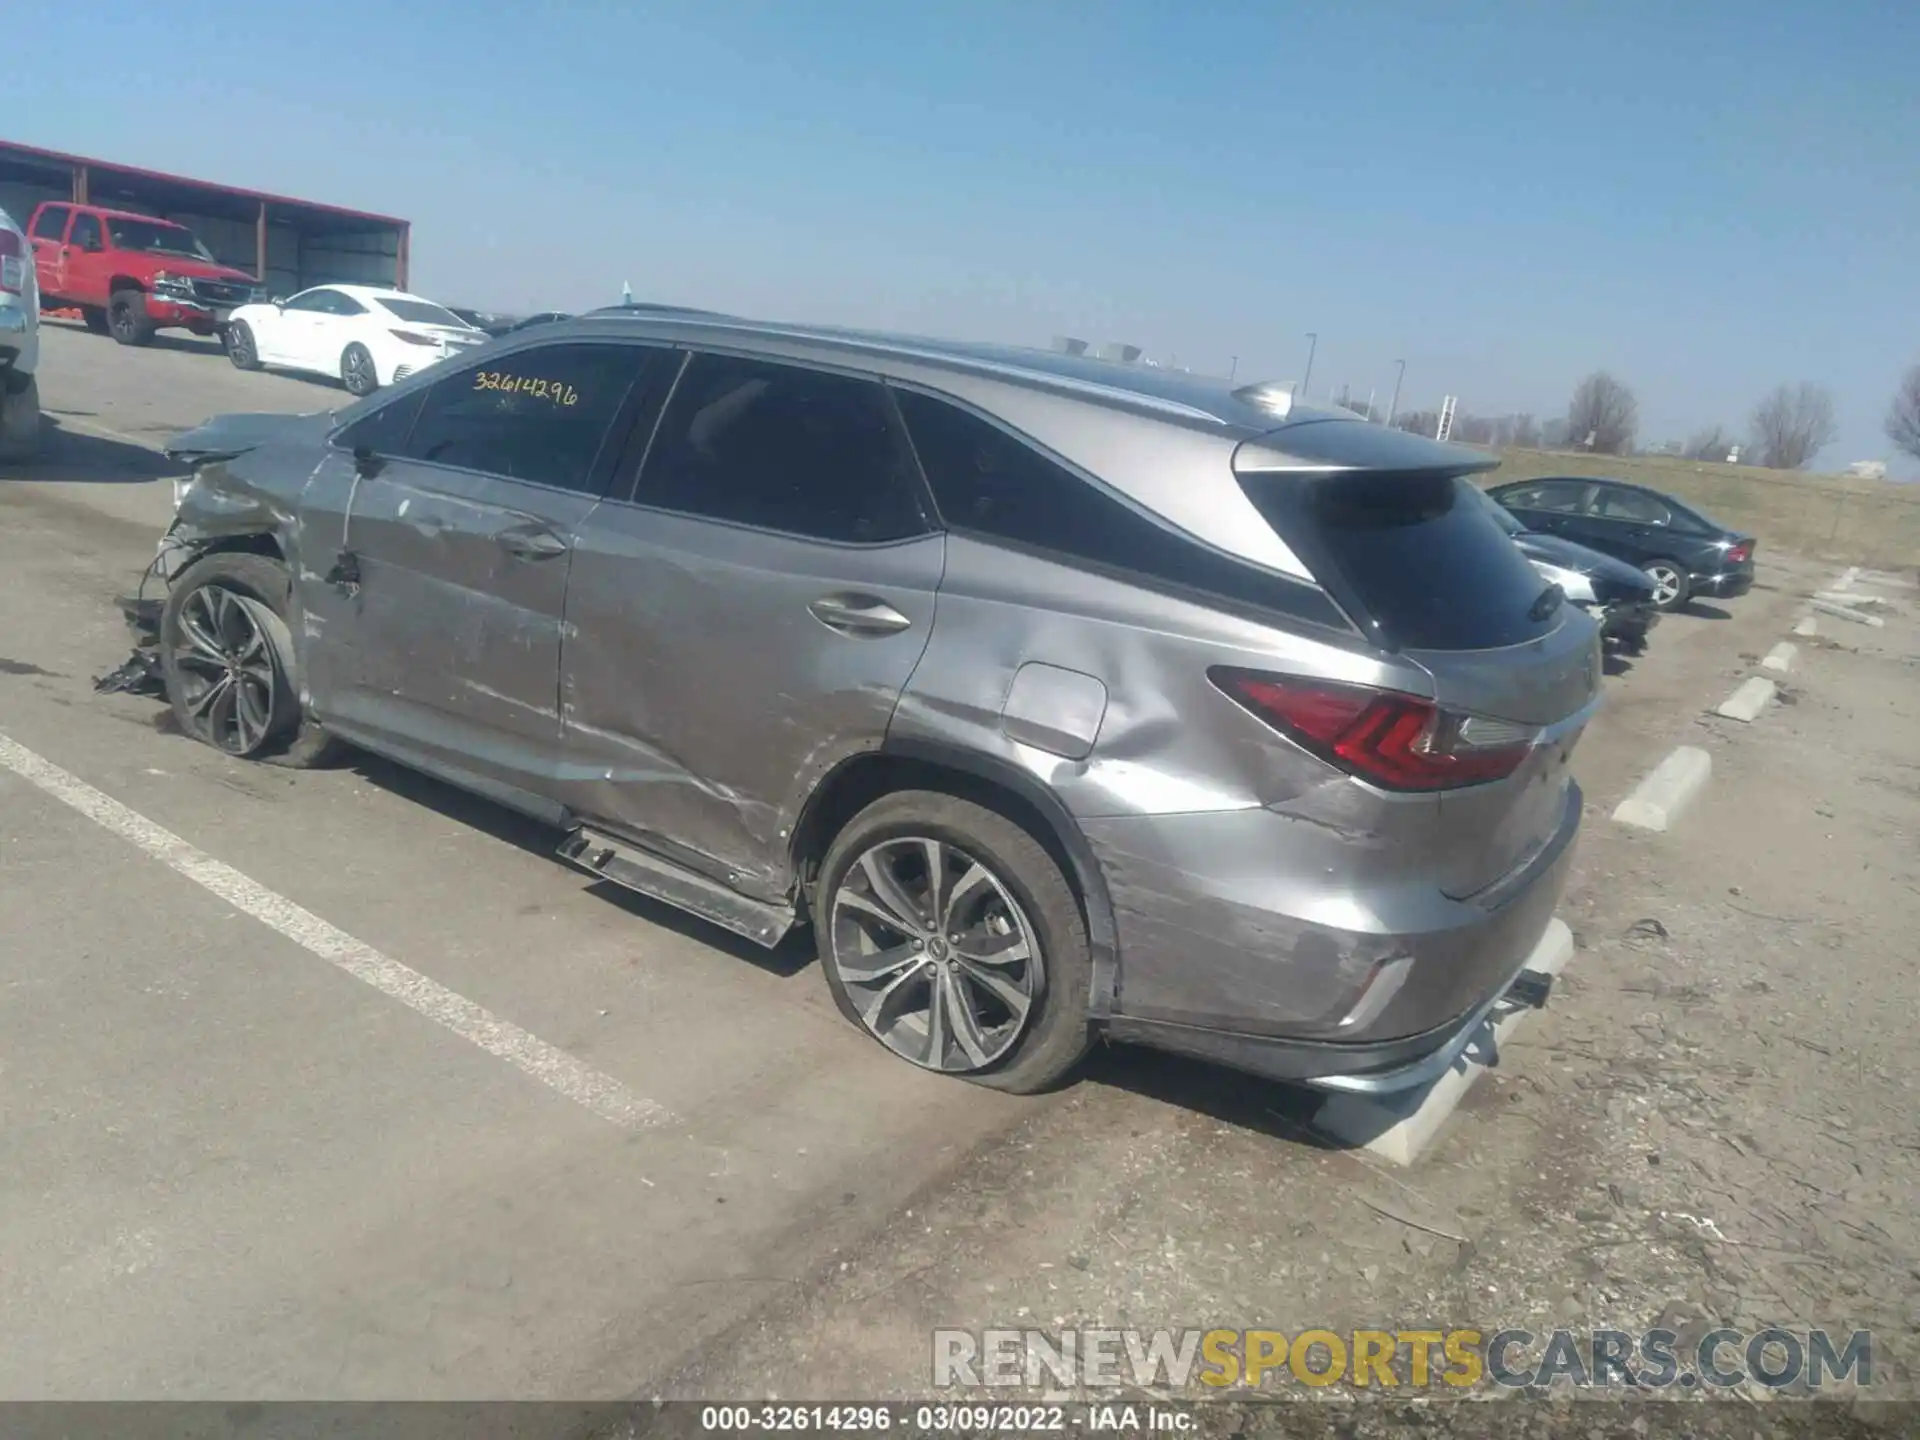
{"points": [[1059, 697]]}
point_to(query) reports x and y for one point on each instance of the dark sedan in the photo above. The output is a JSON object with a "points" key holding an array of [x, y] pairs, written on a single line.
{"points": [[1614, 593], [1683, 552]]}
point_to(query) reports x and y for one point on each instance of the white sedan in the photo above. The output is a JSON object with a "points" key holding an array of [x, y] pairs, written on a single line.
{"points": [[363, 336]]}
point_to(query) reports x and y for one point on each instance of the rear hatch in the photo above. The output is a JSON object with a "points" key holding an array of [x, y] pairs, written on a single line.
{"points": [[1389, 524]]}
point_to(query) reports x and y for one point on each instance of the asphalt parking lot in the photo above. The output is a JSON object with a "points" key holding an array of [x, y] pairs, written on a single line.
{"points": [[339, 1127]]}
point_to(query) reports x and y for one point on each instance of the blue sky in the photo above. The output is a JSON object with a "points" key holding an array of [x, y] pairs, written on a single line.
{"points": [[1705, 198]]}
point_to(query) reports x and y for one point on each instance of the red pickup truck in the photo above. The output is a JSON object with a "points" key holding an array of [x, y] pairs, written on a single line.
{"points": [[130, 275]]}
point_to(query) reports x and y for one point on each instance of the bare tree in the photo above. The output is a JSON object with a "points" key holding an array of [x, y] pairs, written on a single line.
{"points": [[1603, 416], [1526, 432], [1792, 425], [1903, 420], [1712, 444]]}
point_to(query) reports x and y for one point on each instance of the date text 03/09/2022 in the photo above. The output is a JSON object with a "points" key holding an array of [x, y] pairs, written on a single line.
{"points": [[939, 1418]]}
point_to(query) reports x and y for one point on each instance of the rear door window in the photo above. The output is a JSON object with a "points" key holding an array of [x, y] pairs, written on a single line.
{"points": [[1561, 496], [86, 233], [1414, 551], [1634, 505], [781, 447]]}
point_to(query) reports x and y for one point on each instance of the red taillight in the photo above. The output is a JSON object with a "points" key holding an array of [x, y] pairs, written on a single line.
{"points": [[1739, 553], [413, 337], [1395, 741], [13, 263]]}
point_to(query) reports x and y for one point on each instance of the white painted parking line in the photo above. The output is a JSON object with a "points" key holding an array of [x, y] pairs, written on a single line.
{"points": [[1806, 625], [1847, 612], [1780, 657], [1400, 1127], [1671, 786], [554, 1068], [1749, 700]]}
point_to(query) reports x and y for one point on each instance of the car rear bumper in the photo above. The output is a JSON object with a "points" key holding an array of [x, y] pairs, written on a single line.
{"points": [[1630, 620], [1726, 584], [1283, 997]]}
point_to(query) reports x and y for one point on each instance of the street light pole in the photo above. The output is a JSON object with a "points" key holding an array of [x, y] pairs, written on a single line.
{"points": [[1393, 405], [1313, 340]]}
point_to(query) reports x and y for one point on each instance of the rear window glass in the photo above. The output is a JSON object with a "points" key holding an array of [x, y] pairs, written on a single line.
{"points": [[424, 312], [1416, 552]]}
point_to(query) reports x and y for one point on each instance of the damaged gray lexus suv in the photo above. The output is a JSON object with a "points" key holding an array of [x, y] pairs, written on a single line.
{"points": [[1059, 697]]}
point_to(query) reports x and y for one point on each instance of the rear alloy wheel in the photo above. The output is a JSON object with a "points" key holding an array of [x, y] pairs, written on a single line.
{"points": [[1669, 583], [127, 318], [949, 935], [357, 372], [241, 350]]}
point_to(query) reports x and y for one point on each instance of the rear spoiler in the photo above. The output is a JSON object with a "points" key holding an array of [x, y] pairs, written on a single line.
{"points": [[1331, 446]]}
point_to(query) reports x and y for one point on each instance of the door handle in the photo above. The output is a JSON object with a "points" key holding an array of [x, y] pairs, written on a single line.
{"points": [[528, 542], [858, 615]]}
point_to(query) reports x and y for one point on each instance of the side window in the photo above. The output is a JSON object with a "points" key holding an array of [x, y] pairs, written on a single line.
{"points": [[539, 415], [340, 303], [315, 302], [52, 223], [86, 232], [1563, 496], [386, 430], [783, 448], [1631, 505], [987, 481]]}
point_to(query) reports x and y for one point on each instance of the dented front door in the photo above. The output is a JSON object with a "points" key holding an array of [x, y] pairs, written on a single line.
{"points": [[434, 584], [446, 641]]}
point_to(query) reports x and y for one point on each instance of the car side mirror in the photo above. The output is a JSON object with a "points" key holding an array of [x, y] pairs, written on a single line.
{"points": [[366, 463], [279, 302]]}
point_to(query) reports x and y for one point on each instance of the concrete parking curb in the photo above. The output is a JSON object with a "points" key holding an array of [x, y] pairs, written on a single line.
{"points": [[1780, 657], [1847, 612], [1658, 800], [1400, 1127], [1749, 700]]}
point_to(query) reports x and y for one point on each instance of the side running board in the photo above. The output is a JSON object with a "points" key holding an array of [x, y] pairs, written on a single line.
{"points": [[627, 864]]}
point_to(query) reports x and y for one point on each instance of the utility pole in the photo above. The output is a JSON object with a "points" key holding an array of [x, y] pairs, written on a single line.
{"points": [[1313, 341], [1393, 405], [1233, 367]]}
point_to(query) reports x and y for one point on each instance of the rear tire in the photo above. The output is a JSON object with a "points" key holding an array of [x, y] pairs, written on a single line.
{"points": [[1013, 1025], [127, 318], [357, 372], [1669, 578], [241, 349], [236, 604], [19, 418], [94, 318]]}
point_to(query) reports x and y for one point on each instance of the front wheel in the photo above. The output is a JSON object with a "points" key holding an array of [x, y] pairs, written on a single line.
{"points": [[950, 935], [227, 656], [357, 372], [1669, 583], [127, 317]]}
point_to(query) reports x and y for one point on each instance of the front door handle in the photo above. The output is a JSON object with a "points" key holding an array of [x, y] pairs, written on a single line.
{"points": [[858, 615], [531, 542]]}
